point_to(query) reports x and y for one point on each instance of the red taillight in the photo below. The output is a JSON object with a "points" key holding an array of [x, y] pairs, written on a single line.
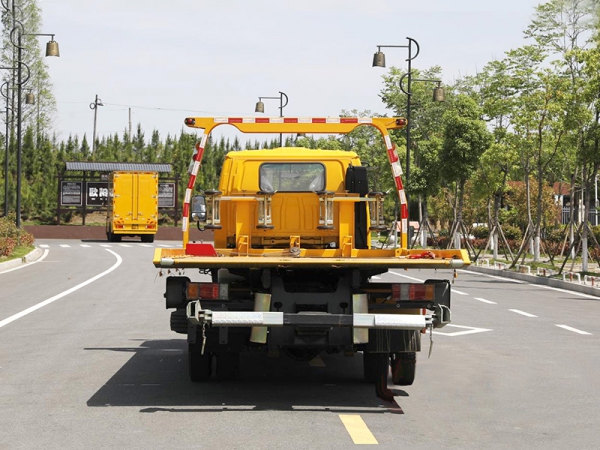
{"points": [[413, 291], [401, 122], [209, 291], [190, 121], [206, 291]]}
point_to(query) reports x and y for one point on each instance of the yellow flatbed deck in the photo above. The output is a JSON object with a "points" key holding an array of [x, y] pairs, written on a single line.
{"points": [[169, 258]]}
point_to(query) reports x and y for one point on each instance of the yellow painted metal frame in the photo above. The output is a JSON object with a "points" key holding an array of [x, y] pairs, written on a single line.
{"points": [[383, 124], [344, 256]]}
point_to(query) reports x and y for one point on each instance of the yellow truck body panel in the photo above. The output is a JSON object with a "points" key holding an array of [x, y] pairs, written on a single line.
{"points": [[133, 204]]}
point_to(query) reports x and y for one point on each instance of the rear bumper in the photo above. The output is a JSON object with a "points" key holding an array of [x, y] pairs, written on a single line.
{"points": [[198, 316]]}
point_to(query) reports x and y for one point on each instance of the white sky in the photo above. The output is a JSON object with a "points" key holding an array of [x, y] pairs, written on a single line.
{"points": [[169, 59]]}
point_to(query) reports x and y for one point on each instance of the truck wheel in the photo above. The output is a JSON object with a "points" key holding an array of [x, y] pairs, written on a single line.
{"points": [[147, 238], [200, 366], [375, 366], [404, 367], [179, 321], [112, 237], [228, 366]]}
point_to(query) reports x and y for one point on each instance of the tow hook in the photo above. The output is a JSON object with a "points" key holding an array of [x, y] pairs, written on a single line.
{"points": [[196, 315], [442, 316]]}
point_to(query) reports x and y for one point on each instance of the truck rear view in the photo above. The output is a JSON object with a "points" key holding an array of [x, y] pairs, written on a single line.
{"points": [[132, 208], [292, 269]]}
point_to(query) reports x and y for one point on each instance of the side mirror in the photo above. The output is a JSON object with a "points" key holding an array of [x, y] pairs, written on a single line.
{"points": [[199, 208]]}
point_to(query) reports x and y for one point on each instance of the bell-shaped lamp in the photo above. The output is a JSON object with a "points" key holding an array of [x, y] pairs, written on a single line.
{"points": [[379, 59], [260, 107], [29, 99], [52, 48], [439, 94]]}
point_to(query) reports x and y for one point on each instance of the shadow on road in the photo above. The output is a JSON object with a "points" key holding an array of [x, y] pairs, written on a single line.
{"points": [[156, 379]]}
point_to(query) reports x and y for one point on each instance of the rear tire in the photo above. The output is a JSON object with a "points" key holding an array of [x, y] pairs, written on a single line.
{"points": [[375, 366], [179, 321], [147, 238], [404, 366], [200, 366], [112, 237], [228, 366]]}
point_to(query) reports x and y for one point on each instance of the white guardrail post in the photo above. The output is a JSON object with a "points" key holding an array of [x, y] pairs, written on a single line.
{"points": [[569, 276], [593, 280]]}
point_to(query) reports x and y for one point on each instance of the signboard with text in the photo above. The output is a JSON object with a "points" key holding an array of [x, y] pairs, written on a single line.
{"points": [[166, 195], [96, 193], [71, 193]]}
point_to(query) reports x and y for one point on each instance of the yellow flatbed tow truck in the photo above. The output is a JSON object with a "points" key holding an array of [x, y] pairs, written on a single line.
{"points": [[291, 265]]}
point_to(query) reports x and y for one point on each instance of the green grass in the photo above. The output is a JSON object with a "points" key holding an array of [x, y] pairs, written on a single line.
{"points": [[18, 253]]}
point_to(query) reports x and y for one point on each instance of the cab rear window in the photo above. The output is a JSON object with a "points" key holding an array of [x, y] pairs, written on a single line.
{"points": [[292, 177]]}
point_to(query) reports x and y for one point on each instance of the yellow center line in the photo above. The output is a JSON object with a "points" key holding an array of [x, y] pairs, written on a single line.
{"points": [[358, 430]]}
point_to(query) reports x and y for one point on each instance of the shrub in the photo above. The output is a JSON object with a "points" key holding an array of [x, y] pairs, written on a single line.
{"points": [[481, 232], [512, 233], [12, 237]]}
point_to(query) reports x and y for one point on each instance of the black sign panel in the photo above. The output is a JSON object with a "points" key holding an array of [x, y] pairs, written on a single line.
{"points": [[166, 195], [70, 193], [97, 193]]}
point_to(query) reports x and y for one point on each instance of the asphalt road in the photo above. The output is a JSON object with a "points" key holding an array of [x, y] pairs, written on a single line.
{"points": [[87, 360]]}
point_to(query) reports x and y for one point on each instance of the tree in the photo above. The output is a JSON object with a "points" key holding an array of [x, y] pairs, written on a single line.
{"points": [[466, 138]]}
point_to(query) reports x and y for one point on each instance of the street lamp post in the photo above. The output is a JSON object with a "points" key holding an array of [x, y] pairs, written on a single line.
{"points": [[379, 61], [438, 95], [260, 108], [51, 50], [6, 142], [94, 105]]}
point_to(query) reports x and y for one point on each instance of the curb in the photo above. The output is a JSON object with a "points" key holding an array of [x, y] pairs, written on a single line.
{"points": [[34, 255], [535, 279]]}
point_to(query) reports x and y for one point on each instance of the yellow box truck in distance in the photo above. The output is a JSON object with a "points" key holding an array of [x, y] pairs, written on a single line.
{"points": [[132, 205]]}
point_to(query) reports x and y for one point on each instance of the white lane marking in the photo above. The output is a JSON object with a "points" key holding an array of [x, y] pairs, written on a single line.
{"points": [[316, 362], [485, 301], [566, 327], [85, 245], [492, 276], [41, 258], [65, 245], [523, 313], [406, 276], [105, 245], [579, 294], [357, 429], [62, 294], [469, 330], [146, 245], [422, 281], [44, 246], [458, 292], [124, 245], [166, 246]]}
